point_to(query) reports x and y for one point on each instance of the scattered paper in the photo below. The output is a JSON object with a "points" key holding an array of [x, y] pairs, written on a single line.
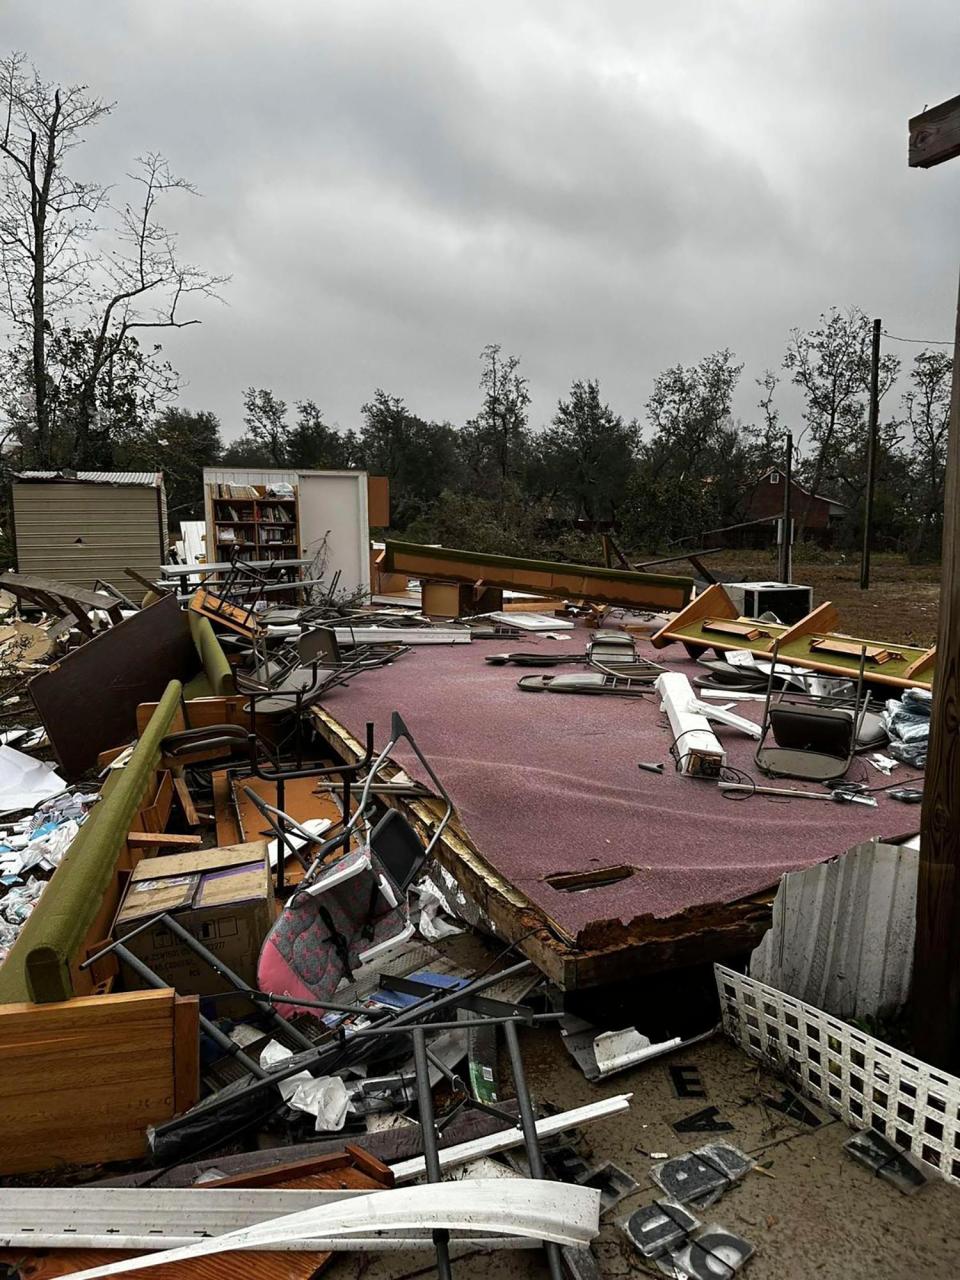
{"points": [[316, 827], [885, 764]]}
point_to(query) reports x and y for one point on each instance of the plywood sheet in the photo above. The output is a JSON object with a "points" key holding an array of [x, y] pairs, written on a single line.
{"points": [[88, 700]]}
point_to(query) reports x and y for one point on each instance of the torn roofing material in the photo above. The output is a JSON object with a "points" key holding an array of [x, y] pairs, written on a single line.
{"points": [[549, 792]]}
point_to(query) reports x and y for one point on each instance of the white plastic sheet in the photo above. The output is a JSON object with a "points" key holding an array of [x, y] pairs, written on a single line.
{"points": [[25, 782], [323, 1097]]}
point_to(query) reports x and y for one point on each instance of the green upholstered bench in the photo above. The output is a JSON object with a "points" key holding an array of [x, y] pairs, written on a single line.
{"points": [[215, 679], [38, 967]]}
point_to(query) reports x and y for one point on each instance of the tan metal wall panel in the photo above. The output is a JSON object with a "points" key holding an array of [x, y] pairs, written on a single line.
{"points": [[80, 532]]}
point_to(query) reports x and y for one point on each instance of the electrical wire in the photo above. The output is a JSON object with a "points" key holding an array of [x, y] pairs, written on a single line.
{"points": [[922, 342], [679, 759], [734, 776]]}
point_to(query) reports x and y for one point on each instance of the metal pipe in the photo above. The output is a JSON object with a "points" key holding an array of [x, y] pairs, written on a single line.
{"points": [[333, 1050], [528, 1124], [209, 1028], [244, 988], [431, 1155], [786, 545]]}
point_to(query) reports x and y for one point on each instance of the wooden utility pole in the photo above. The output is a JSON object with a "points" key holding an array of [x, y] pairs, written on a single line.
{"points": [[873, 430], [935, 997], [786, 533]]}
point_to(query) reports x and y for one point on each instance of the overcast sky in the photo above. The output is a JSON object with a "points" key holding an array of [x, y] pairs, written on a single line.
{"points": [[605, 187]]}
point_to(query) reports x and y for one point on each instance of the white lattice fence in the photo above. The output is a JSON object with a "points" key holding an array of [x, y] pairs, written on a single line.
{"points": [[866, 1083]]}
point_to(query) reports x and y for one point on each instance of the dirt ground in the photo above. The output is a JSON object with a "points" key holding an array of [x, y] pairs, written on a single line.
{"points": [[813, 1211], [900, 605]]}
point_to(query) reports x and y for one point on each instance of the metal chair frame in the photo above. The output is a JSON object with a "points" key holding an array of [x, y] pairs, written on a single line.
{"points": [[798, 699]]}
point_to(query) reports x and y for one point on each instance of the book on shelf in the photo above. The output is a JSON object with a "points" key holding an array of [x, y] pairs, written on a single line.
{"points": [[247, 491]]}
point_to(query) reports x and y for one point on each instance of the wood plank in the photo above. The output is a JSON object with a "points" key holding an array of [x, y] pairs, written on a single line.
{"points": [[83, 1014], [186, 1053], [201, 713], [165, 839], [586, 582], [712, 603], [378, 502], [935, 135], [154, 812], [82, 1079], [183, 795], [303, 798], [351, 1169], [228, 824], [823, 618], [923, 666], [223, 613], [241, 1265]]}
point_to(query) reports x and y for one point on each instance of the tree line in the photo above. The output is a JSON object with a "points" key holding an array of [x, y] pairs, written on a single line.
{"points": [[91, 279]]}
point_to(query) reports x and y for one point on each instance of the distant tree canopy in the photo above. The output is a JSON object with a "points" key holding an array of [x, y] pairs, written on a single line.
{"points": [[272, 439], [682, 471], [89, 276]]}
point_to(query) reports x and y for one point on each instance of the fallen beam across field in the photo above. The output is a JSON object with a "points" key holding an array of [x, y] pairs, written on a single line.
{"points": [[628, 589]]}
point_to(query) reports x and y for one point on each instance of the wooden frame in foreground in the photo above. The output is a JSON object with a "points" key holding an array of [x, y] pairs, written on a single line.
{"points": [[613, 951]]}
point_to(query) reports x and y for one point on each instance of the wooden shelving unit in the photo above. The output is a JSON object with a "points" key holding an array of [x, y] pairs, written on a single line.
{"points": [[259, 527]]}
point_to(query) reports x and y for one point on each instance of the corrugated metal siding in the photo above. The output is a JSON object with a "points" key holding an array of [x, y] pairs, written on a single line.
{"points": [[78, 533], [152, 478], [843, 931]]}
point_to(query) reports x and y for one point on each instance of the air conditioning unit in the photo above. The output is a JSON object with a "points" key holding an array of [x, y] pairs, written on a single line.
{"points": [[789, 602]]}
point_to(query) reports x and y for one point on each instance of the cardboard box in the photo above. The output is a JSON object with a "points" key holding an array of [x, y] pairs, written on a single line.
{"points": [[224, 897], [458, 600]]}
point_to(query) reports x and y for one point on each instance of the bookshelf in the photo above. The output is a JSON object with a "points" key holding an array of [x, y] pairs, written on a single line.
{"points": [[255, 524]]}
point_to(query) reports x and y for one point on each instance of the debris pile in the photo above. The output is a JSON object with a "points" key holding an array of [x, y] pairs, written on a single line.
{"points": [[337, 887]]}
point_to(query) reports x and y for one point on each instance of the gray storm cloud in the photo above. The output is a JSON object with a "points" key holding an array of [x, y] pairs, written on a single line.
{"points": [[604, 188]]}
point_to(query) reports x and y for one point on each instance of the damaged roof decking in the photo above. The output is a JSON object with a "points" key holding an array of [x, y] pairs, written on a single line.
{"points": [[547, 785]]}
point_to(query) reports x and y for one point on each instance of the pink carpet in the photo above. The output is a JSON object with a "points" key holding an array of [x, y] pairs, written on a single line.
{"points": [[548, 783]]}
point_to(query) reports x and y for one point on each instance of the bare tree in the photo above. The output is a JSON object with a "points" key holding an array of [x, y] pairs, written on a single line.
{"points": [[831, 366], [926, 407], [46, 216], [53, 268]]}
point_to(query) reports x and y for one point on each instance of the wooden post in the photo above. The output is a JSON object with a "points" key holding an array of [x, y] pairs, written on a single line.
{"points": [[786, 533], [935, 994], [935, 135], [872, 433]]}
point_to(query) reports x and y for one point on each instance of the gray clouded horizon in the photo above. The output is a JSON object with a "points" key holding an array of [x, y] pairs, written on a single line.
{"points": [[604, 188]]}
